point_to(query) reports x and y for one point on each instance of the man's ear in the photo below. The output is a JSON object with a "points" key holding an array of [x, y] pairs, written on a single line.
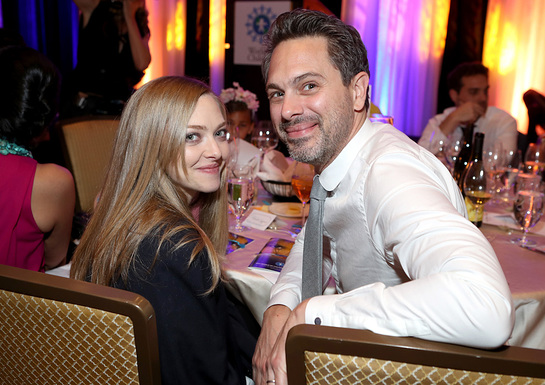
{"points": [[360, 83], [453, 96]]}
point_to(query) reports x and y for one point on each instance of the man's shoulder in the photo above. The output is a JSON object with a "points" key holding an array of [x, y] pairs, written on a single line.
{"points": [[496, 115]]}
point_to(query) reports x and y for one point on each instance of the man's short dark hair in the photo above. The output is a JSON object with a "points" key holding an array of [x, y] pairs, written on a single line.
{"points": [[454, 78], [345, 47]]}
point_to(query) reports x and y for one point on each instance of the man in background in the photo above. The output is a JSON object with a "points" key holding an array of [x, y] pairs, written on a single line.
{"points": [[468, 89]]}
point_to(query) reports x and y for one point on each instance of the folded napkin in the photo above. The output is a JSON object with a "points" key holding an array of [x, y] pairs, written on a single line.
{"points": [[276, 167]]}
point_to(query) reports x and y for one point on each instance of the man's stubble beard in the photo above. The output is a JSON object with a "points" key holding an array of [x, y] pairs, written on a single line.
{"points": [[327, 144]]}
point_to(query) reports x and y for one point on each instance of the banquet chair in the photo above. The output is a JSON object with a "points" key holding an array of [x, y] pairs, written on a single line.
{"points": [[56, 330], [87, 145], [329, 355]]}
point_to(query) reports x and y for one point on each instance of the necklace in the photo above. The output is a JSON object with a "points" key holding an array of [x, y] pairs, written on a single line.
{"points": [[7, 148]]}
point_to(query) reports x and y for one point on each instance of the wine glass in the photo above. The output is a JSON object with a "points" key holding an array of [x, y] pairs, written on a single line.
{"points": [[301, 181], [451, 150], [240, 192], [494, 163], [534, 159], [528, 208], [510, 172], [264, 137], [475, 189]]}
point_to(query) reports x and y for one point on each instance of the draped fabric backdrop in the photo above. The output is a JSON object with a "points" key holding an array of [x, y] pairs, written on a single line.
{"points": [[405, 41], [514, 51]]}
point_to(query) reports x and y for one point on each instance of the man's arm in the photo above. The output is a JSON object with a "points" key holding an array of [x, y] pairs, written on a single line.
{"points": [[274, 320], [455, 290]]}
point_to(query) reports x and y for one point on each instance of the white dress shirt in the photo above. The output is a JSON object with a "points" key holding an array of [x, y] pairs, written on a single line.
{"points": [[496, 124], [404, 258]]}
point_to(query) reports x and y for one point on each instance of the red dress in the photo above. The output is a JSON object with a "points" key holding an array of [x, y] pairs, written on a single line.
{"points": [[21, 241]]}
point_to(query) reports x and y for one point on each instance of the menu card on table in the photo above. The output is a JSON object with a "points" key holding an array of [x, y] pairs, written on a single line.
{"points": [[273, 255], [237, 242]]}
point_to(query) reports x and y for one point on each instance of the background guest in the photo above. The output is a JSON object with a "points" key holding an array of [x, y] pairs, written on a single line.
{"points": [[36, 200], [113, 53], [468, 89], [241, 106], [168, 160]]}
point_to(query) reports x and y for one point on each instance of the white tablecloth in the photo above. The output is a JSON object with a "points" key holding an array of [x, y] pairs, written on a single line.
{"points": [[524, 271]]}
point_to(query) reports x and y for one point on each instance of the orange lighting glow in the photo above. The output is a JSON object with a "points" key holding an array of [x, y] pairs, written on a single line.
{"points": [[433, 29], [216, 50]]}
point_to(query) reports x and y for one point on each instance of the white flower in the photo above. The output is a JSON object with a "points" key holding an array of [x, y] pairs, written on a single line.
{"points": [[239, 94]]}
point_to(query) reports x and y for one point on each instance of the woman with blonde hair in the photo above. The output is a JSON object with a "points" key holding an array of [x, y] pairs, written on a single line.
{"points": [[160, 226]]}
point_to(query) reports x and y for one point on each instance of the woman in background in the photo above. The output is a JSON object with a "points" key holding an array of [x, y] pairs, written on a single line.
{"points": [[36, 200], [113, 52], [160, 227]]}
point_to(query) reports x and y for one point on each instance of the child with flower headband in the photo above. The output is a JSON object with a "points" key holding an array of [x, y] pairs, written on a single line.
{"points": [[241, 106]]}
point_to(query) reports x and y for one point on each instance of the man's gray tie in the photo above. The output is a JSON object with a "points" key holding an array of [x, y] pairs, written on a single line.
{"points": [[312, 250]]}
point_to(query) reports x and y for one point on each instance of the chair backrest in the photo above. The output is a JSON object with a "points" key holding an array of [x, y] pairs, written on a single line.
{"points": [[56, 330], [87, 144], [328, 355]]}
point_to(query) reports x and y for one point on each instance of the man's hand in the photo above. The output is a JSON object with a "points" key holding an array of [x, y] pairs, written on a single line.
{"points": [[465, 114], [468, 113], [269, 361]]}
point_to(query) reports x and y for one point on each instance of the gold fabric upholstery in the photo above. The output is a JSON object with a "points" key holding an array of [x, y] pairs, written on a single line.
{"points": [[44, 335], [88, 145], [56, 330], [321, 355], [325, 368]]}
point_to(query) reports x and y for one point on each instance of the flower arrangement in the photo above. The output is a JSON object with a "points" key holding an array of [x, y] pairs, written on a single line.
{"points": [[239, 94]]}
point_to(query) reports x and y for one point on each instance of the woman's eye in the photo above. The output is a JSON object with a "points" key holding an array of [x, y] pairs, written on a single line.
{"points": [[191, 137], [221, 133]]}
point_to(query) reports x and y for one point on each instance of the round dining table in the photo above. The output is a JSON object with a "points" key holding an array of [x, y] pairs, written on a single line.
{"points": [[524, 270]]}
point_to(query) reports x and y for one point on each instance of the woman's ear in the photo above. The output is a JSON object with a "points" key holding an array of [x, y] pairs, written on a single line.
{"points": [[360, 84]]}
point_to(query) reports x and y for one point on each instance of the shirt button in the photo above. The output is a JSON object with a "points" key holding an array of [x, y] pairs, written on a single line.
{"points": [[317, 321]]}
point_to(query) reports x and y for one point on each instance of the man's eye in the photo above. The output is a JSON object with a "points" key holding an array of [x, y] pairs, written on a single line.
{"points": [[309, 86], [275, 94]]}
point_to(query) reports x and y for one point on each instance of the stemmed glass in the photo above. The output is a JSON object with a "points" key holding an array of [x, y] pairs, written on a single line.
{"points": [[301, 181], [528, 208], [264, 137], [240, 193], [494, 163], [475, 189], [451, 151], [534, 159]]}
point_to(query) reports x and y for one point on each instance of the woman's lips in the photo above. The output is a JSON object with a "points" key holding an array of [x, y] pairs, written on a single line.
{"points": [[211, 169]]}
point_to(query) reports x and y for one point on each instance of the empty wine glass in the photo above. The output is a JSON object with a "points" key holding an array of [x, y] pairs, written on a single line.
{"points": [[510, 172], [534, 159], [240, 196], [494, 163], [301, 181], [264, 136], [528, 208], [451, 150]]}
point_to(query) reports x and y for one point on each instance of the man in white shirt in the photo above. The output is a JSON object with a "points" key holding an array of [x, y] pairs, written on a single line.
{"points": [[468, 89], [404, 258]]}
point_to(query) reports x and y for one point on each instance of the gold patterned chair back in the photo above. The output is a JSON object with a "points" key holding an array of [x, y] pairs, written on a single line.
{"points": [[56, 330], [326, 355], [87, 144]]}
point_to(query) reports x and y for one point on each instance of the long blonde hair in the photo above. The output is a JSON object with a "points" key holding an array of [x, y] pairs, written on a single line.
{"points": [[138, 198]]}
